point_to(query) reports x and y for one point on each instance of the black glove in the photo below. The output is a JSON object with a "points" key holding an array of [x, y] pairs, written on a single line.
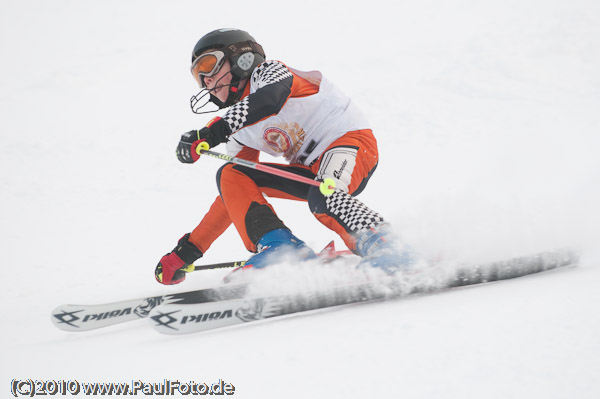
{"points": [[215, 133], [186, 149]]}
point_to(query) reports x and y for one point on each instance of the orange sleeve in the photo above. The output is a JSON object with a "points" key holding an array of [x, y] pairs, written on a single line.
{"points": [[214, 223]]}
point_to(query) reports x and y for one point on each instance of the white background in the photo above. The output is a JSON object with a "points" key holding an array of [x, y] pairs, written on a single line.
{"points": [[487, 117]]}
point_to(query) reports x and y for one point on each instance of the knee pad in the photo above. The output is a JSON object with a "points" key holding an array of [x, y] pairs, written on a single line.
{"points": [[338, 163]]}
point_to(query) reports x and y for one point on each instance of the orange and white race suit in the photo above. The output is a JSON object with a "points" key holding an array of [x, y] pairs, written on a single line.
{"points": [[304, 118]]}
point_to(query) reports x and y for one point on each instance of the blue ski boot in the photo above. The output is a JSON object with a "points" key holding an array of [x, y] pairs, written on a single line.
{"points": [[275, 246], [380, 249]]}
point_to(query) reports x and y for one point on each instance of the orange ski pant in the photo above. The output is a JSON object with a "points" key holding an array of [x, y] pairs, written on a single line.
{"points": [[242, 202]]}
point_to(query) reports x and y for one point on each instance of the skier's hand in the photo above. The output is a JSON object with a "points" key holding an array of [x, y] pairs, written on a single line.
{"points": [[186, 150], [215, 133], [173, 266]]}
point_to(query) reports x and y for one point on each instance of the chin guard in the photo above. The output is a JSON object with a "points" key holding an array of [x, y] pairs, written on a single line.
{"points": [[205, 96], [201, 100]]}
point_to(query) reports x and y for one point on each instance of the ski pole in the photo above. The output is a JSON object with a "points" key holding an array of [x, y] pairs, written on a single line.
{"points": [[223, 265], [327, 186], [328, 253], [219, 265]]}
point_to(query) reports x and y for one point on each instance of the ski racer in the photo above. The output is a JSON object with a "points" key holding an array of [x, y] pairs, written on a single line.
{"points": [[281, 111]]}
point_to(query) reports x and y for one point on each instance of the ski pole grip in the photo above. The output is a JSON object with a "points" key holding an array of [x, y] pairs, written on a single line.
{"points": [[327, 187], [203, 146]]}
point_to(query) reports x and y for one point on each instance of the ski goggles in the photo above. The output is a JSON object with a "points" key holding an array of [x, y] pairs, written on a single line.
{"points": [[208, 64]]}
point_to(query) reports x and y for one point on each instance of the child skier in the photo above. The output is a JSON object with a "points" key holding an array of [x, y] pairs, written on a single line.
{"points": [[283, 112]]}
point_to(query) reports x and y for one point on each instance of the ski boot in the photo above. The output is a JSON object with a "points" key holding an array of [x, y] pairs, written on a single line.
{"points": [[381, 249], [277, 245]]}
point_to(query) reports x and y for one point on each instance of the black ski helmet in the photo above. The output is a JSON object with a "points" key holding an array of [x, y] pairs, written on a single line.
{"points": [[242, 51]]}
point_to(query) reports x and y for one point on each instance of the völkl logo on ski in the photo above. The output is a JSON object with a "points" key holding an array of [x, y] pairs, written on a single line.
{"points": [[172, 321]]}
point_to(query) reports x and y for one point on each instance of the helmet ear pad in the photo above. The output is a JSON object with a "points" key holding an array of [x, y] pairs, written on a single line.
{"points": [[243, 64]]}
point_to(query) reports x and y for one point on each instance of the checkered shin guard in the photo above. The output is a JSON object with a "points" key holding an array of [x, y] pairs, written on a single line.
{"points": [[355, 215]]}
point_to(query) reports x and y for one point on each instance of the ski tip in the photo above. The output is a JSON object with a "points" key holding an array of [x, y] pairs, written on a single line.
{"points": [[67, 318], [77, 318]]}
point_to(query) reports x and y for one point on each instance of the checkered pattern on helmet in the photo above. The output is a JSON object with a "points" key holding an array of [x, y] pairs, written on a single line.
{"points": [[270, 72], [356, 216], [237, 115]]}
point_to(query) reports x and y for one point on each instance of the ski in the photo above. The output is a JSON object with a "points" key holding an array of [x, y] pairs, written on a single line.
{"points": [[173, 318], [89, 317]]}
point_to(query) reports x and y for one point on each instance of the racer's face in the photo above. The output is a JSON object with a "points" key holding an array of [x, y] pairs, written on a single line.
{"points": [[219, 82]]}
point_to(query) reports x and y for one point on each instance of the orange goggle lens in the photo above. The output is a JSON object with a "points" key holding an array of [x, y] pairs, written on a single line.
{"points": [[207, 64]]}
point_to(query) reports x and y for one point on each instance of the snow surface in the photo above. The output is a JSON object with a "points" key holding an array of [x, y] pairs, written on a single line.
{"points": [[487, 116]]}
